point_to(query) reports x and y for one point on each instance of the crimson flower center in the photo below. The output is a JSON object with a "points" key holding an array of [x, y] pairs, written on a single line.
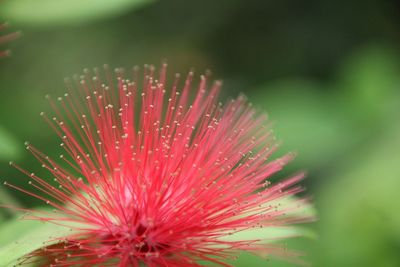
{"points": [[139, 242]]}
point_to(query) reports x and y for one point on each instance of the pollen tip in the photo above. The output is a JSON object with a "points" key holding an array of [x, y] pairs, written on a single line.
{"points": [[218, 82]]}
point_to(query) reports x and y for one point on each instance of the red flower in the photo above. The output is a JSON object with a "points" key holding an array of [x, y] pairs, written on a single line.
{"points": [[159, 179], [6, 38]]}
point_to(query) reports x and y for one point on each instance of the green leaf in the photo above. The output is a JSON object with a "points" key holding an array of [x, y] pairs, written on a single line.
{"points": [[307, 119], [369, 82], [273, 233], [50, 12], [20, 237], [8, 146], [359, 207]]}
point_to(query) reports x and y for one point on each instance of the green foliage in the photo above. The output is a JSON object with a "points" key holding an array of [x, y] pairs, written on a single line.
{"points": [[359, 218], [370, 83], [9, 150], [8, 146], [50, 13], [20, 237], [352, 127], [272, 234], [323, 121], [306, 119]]}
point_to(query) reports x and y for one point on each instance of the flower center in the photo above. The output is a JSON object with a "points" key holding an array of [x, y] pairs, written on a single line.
{"points": [[138, 243]]}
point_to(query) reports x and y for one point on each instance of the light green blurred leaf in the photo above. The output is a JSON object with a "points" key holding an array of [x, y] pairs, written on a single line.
{"points": [[369, 81], [272, 235], [290, 246], [8, 146], [20, 237], [307, 120], [294, 208], [359, 207], [49, 12]]}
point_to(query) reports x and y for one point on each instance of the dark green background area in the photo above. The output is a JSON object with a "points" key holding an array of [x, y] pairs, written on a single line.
{"points": [[326, 72]]}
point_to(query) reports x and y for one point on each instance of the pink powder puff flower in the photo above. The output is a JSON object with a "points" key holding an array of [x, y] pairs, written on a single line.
{"points": [[157, 177]]}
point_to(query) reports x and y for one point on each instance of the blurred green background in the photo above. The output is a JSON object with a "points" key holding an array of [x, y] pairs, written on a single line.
{"points": [[327, 73]]}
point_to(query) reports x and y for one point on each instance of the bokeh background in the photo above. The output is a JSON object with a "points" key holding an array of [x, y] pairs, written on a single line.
{"points": [[327, 73]]}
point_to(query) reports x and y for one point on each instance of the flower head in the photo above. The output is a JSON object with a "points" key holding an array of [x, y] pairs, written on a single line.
{"points": [[155, 176]]}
